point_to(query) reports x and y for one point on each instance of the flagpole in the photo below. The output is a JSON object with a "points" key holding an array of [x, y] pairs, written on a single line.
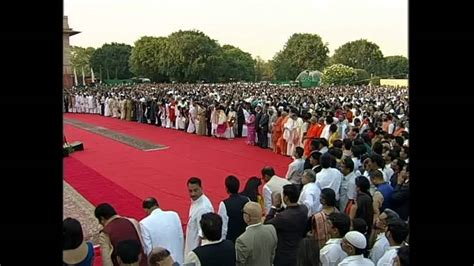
{"points": [[83, 78], [75, 77], [92, 75]]}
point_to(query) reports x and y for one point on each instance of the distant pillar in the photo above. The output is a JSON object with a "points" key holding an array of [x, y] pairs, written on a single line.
{"points": [[68, 76]]}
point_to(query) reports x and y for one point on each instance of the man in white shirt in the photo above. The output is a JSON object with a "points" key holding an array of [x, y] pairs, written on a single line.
{"points": [[273, 184], [199, 206], [310, 193], [329, 177], [162, 229], [347, 191], [378, 241], [396, 234], [354, 244], [332, 253], [295, 169], [325, 133]]}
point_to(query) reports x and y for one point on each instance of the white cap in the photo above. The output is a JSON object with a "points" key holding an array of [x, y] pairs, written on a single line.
{"points": [[356, 239]]}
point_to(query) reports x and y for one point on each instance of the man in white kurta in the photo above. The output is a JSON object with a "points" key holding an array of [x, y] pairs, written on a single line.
{"points": [[310, 193], [192, 118], [289, 133], [199, 206], [162, 229]]}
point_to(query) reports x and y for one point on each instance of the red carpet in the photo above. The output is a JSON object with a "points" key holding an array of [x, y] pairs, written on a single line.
{"points": [[109, 171]]}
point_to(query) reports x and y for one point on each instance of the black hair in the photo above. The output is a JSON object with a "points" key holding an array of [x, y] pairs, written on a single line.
{"points": [[104, 210], [129, 251], [329, 197], [399, 140], [251, 188], [377, 148], [211, 226], [315, 143], [398, 230], [329, 120], [268, 171], [363, 184], [333, 128], [150, 202], [347, 144], [349, 163], [358, 141], [232, 184], [292, 192], [299, 151], [401, 163], [325, 160], [341, 221], [316, 156], [337, 143], [335, 152], [358, 150], [359, 225], [308, 252], [359, 251], [378, 160], [195, 181], [72, 234], [324, 142], [393, 155]]}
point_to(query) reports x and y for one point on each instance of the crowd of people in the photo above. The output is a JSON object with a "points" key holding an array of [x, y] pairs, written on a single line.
{"points": [[343, 201]]}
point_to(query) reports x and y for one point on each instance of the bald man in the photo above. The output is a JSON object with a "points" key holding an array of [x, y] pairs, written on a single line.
{"points": [[161, 257], [257, 245]]}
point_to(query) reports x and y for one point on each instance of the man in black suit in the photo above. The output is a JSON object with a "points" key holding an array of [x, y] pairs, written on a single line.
{"points": [[258, 117], [240, 120], [263, 133], [289, 225]]}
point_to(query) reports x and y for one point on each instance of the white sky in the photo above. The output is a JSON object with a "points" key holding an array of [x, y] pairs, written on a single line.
{"points": [[260, 27]]}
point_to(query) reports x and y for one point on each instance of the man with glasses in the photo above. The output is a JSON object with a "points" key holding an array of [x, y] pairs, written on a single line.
{"points": [[354, 244], [257, 245]]}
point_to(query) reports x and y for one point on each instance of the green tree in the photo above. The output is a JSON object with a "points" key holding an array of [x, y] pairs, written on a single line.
{"points": [[238, 65], [360, 54], [263, 70], [339, 74], [150, 58], [362, 77], [113, 60], [302, 51], [396, 66], [80, 58], [194, 56]]}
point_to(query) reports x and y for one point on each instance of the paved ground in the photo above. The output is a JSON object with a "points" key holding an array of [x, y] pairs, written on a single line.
{"points": [[128, 140], [76, 206]]}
